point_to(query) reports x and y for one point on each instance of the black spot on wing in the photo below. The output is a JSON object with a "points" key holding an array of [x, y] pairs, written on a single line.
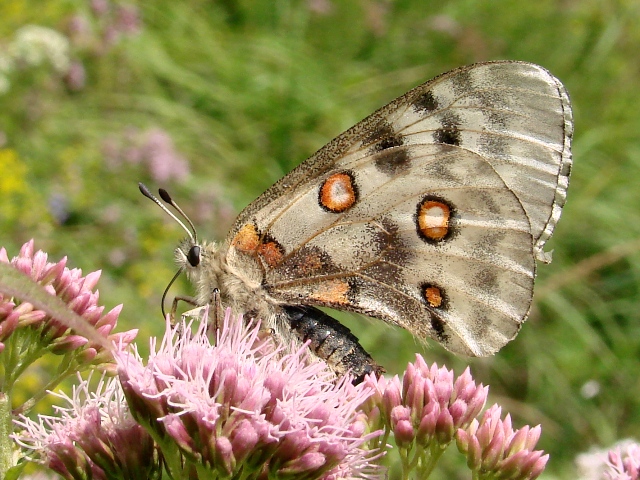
{"points": [[425, 103], [450, 136], [438, 326], [383, 137], [462, 83], [394, 161], [449, 132], [308, 261], [385, 144]]}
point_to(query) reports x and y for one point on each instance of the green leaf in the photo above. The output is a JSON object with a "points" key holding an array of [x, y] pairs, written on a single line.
{"points": [[14, 472]]}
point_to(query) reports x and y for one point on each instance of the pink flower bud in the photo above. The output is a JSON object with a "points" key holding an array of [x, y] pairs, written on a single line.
{"points": [[175, 428], [244, 438], [493, 447], [308, 462], [224, 460], [392, 396], [68, 343], [404, 433], [444, 427]]}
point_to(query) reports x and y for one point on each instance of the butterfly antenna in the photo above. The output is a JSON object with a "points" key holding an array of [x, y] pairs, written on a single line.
{"points": [[165, 196]]}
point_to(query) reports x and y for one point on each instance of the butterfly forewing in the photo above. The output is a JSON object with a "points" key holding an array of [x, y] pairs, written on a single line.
{"points": [[428, 214]]}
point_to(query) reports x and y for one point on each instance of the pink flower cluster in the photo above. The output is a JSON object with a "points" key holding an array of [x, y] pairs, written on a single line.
{"points": [[429, 409], [75, 290], [495, 449], [94, 436], [428, 405], [624, 465], [241, 405], [108, 23]]}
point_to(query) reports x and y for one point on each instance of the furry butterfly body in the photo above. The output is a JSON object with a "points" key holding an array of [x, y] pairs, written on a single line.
{"points": [[429, 214]]}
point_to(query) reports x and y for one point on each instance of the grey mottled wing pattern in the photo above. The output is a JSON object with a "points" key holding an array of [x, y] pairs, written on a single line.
{"points": [[429, 213]]}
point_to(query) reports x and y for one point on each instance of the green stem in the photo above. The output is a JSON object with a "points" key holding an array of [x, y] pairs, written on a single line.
{"points": [[404, 457], [68, 366], [6, 445], [430, 458]]}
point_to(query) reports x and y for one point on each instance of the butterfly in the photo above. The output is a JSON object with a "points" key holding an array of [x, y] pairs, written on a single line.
{"points": [[430, 214]]}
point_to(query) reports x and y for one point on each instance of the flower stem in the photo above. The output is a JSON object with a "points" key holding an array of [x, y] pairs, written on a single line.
{"points": [[65, 369], [6, 445], [429, 459]]}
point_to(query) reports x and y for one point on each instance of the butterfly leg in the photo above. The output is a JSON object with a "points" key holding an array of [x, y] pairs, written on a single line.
{"points": [[217, 314], [174, 306]]}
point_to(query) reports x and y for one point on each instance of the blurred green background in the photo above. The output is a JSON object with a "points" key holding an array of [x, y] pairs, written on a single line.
{"points": [[216, 100]]}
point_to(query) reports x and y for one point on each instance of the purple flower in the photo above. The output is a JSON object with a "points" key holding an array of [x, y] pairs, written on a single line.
{"points": [[153, 148], [128, 19], [94, 433], [75, 290], [160, 155], [241, 405], [76, 76], [100, 7], [623, 465], [495, 450]]}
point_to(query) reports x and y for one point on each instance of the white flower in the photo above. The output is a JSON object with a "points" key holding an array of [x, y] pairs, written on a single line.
{"points": [[34, 45]]}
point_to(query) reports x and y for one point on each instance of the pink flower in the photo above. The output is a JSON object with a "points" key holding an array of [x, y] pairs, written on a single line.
{"points": [[241, 405], [495, 450], [75, 290], [94, 433], [624, 465], [423, 412], [100, 7]]}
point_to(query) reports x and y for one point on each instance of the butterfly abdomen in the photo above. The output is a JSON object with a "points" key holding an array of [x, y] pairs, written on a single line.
{"points": [[331, 341]]}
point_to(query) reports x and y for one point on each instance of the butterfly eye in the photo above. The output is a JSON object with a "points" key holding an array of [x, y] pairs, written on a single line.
{"points": [[193, 257]]}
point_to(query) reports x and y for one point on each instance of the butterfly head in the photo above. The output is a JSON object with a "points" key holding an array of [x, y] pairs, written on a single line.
{"points": [[201, 262], [188, 253], [197, 259]]}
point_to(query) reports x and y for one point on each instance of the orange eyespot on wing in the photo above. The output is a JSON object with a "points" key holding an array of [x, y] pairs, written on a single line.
{"points": [[338, 193], [432, 219], [433, 295]]}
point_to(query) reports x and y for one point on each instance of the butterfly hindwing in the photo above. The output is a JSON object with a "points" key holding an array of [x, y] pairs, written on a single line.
{"points": [[428, 214]]}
